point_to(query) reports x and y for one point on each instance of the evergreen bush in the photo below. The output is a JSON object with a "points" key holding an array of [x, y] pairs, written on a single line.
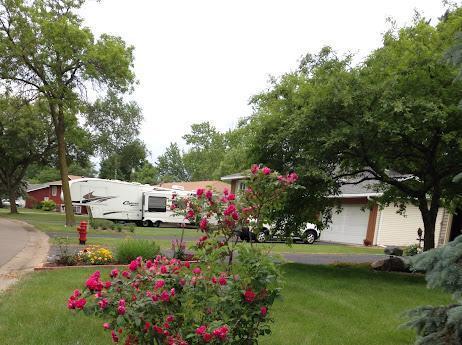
{"points": [[441, 325]]}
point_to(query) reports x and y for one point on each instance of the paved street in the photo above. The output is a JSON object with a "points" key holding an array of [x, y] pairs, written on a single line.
{"points": [[21, 249], [13, 238]]}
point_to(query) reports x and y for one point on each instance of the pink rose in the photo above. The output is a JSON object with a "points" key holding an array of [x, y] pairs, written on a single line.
{"points": [[222, 280], [114, 336], [203, 223], [209, 194], [226, 191], [197, 270], [159, 284], [266, 171], [249, 296], [126, 274], [106, 325], [254, 169], [114, 273], [232, 197], [201, 330], [263, 311], [200, 192]]}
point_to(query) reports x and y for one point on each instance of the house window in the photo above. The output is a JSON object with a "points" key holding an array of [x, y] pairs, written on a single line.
{"points": [[77, 209], [45, 198], [157, 204], [54, 190], [242, 186]]}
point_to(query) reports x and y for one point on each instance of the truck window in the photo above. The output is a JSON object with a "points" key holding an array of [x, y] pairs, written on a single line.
{"points": [[157, 204]]}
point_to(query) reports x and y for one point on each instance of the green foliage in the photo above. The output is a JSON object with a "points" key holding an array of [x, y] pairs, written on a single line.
{"points": [[412, 250], [146, 174], [129, 249], [114, 123], [102, 224], [440, 325], [48, 205], [207, 150], [171, 166], [121, 165], [396, 114], [46, 52], [25, 139]]}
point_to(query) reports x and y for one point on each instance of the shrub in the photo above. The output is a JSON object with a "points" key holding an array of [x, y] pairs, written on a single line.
{"points": [[129, 249], [412, 250], [95, 255], [219, 301], [440, 324], [103, 224], [48, 205], [65, 254]]}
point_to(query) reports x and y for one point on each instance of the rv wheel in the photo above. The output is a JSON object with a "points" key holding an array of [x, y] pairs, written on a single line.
{"points": [[147, 223], [157, 224]]}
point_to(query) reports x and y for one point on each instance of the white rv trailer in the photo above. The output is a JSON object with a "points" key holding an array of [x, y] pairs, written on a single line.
{"points": [[126, 201]]}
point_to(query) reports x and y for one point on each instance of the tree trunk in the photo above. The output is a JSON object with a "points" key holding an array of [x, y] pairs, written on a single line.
{"points": [[63, 169], [429, 219], [13, 207]]}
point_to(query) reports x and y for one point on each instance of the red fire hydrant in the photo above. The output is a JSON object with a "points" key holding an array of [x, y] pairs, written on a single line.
{"points": [[82, 229]]}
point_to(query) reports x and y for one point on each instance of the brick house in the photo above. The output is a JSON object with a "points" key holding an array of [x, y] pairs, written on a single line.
{"points": [[37, 193]]}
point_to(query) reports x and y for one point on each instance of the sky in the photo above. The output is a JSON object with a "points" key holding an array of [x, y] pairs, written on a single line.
{"points": [[202, 60]]}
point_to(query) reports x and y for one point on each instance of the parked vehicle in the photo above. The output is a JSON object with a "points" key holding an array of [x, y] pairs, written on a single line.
{"points": [[309, 235], [19, 203], [121, 201]]}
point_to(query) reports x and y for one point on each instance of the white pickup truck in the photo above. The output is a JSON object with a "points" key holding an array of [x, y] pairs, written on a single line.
{"points": [[308, 235]]}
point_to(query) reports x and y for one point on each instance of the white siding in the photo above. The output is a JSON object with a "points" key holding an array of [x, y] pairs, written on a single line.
{"points": [[398, 230]]}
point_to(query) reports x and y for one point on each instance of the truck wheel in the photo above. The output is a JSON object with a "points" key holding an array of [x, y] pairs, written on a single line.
{"points": [[262, 236], [147, 223], [157, 224], [309, 236]]}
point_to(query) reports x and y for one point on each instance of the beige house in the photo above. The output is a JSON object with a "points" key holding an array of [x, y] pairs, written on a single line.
{"points": [[382, 227]]}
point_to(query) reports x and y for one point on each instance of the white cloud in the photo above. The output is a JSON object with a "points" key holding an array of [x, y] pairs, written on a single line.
{"points": [[202, 60]]}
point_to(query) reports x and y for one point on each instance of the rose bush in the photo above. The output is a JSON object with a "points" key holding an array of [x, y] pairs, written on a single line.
{"points": [[222, 299]]}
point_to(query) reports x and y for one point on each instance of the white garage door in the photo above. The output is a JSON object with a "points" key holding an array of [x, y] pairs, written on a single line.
{"points": [[348, 226]]}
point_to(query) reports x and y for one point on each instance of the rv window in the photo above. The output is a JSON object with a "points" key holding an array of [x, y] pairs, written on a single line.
{"points": [[157, 204]]}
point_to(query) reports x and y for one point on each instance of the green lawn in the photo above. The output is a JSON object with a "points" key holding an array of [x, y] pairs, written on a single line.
{"points": [[321, 305], [54, 222]]}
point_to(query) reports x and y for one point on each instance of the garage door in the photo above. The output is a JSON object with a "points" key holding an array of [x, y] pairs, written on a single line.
{"points": [[348, 226]]}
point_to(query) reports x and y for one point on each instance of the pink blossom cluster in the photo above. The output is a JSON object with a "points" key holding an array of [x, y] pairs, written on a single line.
{"points": [[219, 333], [75, 302], [288, 179]]}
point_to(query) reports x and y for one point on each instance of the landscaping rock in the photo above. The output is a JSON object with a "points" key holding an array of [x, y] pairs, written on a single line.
{"points": [[391, 264], [393, 251]]}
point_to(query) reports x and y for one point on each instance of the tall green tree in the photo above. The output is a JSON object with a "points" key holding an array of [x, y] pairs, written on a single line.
{"points": [[123, 164], [146, 174], [46, 51], [25, 139], [206, 151], [394, 119], [113, 123], [171, 166]]}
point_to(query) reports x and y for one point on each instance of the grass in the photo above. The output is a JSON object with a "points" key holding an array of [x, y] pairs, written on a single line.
{"points": [[54, 222], [322, 305]]}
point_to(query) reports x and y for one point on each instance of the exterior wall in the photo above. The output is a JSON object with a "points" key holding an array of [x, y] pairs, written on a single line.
{"points": [[39, 195], [36, 196], [395, 229]]}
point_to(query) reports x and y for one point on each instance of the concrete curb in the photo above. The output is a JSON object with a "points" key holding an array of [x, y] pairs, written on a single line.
{"points": [[33, 254]]}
